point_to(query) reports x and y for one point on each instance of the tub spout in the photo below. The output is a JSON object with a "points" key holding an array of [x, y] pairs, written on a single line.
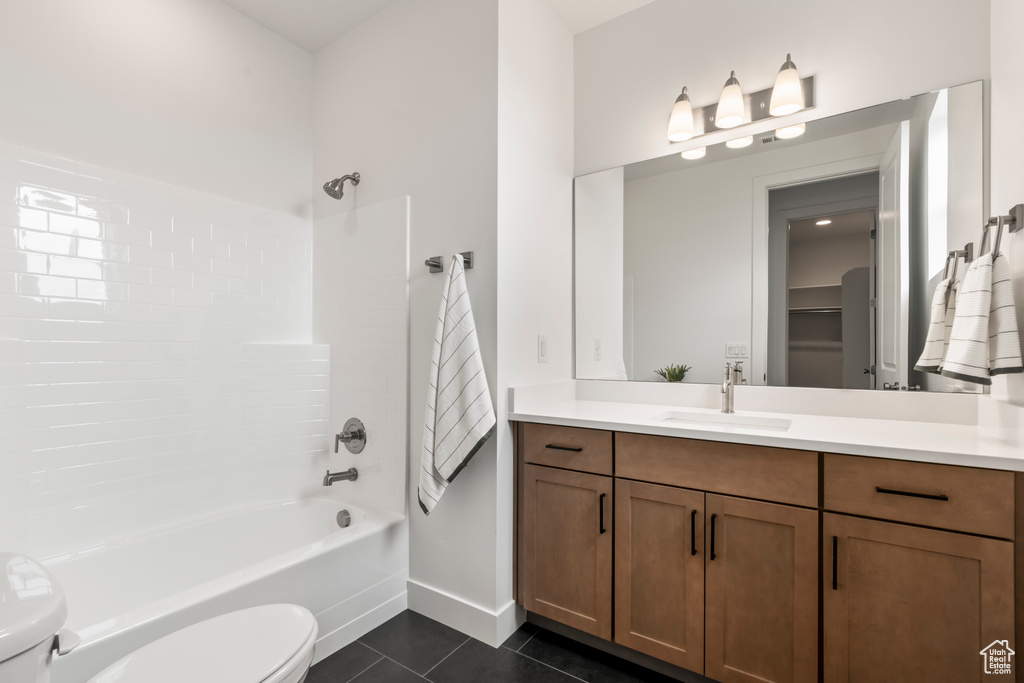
{"points": [[348, 475]]}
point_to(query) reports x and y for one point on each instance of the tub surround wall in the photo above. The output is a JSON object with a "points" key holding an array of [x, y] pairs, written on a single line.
{"points": [[361, 311], [156, 357]]}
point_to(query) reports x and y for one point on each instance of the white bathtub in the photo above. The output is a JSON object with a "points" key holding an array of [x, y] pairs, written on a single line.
{"points": [[122, 596]]}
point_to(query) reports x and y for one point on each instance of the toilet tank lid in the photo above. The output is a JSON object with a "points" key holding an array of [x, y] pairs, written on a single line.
{"points": [[33, 605]]}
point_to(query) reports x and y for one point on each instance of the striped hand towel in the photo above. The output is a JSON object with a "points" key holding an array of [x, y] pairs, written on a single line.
{"points": [[942, 315], [967, 356], [1003, 336], [459, 416]]}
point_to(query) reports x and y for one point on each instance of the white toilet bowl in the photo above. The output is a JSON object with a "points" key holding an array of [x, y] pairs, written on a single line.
{"points": [[268, 644]]}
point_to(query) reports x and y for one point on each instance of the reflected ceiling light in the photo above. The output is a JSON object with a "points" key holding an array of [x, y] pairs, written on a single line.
{"points": [[739, 143], [680, 124], [824, 221], [789, 132], [730, 111], [693, 154], [788, 93]]}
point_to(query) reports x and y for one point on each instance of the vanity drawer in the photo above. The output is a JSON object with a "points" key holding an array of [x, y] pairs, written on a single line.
{"points": [[571, 448], [944, 496], [776, 474]]}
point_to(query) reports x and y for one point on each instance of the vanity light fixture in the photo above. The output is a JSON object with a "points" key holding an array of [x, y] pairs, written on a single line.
{"points": [[693, 154], [730, 111], [788, 93], [680, 123], [789, 132], [739, 143], [824, 221]]}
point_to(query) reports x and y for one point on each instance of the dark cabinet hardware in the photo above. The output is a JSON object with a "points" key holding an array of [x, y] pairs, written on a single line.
{"points": [[913, 494], [601, 505], [693, 532], [712, 553], [835, 563], [574, 449]]}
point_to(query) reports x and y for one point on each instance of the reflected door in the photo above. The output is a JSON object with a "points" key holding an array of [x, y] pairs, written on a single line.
{"points": [[893, 261]]}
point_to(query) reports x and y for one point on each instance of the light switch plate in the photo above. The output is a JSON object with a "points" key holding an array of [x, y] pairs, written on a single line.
{"points": [[737, 350], [542, 348]]}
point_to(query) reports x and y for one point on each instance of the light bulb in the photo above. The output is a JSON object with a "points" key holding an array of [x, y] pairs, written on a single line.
{"points": [[790, 132], [739, 143], [730, 112], [680, 123], [788, 93], [693, 154]]}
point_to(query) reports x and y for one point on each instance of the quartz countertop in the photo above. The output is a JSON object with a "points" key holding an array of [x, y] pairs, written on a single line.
{"points": [[992, 444]]}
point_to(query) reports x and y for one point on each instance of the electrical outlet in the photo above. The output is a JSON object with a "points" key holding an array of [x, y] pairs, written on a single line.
{"points": [[597, 348], [542, 348], [737, 350]]}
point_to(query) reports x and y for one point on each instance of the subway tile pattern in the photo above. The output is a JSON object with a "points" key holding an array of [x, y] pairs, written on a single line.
{"points": [[155, 361], [361, 310]]}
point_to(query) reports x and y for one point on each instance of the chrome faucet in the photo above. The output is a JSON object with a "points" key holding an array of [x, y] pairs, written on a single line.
{"points": [[727, 386], [348, 475]]}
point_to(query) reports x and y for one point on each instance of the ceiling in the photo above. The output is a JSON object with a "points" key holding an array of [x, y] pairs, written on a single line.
{"points": [[852, 223], [314, 24]]}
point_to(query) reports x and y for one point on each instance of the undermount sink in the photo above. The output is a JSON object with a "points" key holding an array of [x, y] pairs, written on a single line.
{"points": [[726, 420]]}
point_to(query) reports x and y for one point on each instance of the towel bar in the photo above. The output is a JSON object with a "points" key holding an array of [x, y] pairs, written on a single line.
{"points": [[1015, 219], [436, 263]]}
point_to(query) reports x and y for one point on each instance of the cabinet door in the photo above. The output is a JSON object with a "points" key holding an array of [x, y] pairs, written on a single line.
{"points": [[909, 604], [567, 531], [659, 572], [762, 592]]}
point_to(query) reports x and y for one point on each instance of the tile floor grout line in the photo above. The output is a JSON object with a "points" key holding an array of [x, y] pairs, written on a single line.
{"points": [[551, 667], [367, 668], [384, 656], [520, 648], [447, 656]]}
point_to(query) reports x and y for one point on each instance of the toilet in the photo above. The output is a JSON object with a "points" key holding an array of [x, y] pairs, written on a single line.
{"points": [[266, 644]]}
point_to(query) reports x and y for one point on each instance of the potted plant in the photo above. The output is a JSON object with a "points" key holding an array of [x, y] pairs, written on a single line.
{"points": [[673, 373]]}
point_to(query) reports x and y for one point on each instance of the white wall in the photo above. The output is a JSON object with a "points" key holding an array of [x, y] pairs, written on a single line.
{"points": [[361, 310], [630, 70], [535, 170], [410, 100], [1007, 142], [185, 91], [599, 240], [156, 357]]}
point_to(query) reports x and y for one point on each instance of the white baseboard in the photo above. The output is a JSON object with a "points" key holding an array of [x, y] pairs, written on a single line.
{"points": [[487, 626]]}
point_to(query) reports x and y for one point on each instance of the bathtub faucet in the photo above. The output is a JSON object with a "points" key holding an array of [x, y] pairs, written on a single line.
{"points": [[348, 475]]}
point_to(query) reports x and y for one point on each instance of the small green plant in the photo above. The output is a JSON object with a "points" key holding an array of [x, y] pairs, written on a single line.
{"points": [[674, 373]]}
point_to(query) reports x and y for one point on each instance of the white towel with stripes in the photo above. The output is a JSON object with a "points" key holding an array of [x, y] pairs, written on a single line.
{"points": [[1003, 336], [459, 416], [939, 328], [985, 339]]}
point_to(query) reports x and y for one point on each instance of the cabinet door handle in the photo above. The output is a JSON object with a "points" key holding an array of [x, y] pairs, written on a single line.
{"points": [[835, 563], [913, 494], [712, 554], [556, 447], [601, 505], [693, 532]]}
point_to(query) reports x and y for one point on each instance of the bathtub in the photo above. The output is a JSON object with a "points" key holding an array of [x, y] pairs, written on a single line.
{"points": [[124, 595]]}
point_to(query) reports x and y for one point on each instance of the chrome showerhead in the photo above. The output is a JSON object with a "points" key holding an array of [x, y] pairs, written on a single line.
{"points": [[334, 188]]}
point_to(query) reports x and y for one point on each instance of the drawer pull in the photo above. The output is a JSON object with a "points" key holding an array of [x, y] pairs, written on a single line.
{"points": [[693, 532], [835, 563], [600, 504], [712, 555], [912, 494], [574, 449]]}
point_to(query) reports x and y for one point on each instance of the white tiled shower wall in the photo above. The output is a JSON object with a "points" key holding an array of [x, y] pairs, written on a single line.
{"points": [[361, 309], [155, 356]]}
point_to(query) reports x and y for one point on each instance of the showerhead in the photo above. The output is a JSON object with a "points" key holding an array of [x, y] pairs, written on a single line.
{"points": [[334, 188]]}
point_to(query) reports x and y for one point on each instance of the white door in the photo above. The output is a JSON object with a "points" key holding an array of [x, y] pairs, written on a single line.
{"points": [[892, 289]]}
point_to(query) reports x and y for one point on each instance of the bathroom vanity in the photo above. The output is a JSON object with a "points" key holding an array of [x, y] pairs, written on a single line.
{"points": [[748, 552]]}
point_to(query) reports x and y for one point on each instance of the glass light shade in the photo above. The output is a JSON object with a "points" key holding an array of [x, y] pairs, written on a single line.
{"points": [[680, 124], [789, 132], [788, 93], [730, 111], [693, 154], [739, 143], [825, 221]]}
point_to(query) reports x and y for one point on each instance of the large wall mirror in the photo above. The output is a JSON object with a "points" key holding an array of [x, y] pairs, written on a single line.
{"points": [[810, 260]]}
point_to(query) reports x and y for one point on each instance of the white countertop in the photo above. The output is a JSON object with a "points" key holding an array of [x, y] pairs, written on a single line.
{"points": [[992, 439]]}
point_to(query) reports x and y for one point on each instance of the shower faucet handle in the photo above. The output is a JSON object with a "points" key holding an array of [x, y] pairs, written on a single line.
{"points": [[353, 436]]}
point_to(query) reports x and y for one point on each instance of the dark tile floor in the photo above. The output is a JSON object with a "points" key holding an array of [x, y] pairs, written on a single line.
{"points": [[413, 648]]}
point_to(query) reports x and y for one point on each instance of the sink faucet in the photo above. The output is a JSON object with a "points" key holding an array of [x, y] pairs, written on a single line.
{"points": [[348, 475], [727, 386]]}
